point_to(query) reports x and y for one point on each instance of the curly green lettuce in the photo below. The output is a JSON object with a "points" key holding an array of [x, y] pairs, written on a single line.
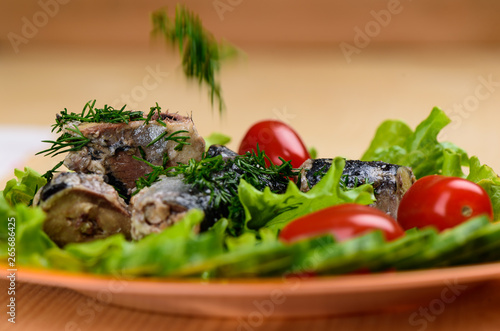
{"points": [[31, 243], [395, 142], [274, 211], [179, 251]]}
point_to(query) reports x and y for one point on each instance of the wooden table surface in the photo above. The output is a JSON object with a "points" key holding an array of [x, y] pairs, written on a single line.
{"points": [[333, 104]]}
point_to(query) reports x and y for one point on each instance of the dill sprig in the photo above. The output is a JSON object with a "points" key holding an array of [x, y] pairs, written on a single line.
{"points": [[220, 178], [148, 179], [91, 114], [201, 53], [50, 173], [344, 182], [152, 111], [74, 140], [180, 140], [66, 142]]}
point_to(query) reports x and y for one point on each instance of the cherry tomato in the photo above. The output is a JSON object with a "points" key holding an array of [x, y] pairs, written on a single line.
{"points": [[442, 202], [276, 139], [344, 222]]}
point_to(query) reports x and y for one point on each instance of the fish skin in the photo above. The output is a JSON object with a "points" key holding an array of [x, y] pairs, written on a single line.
{"points": [[226, 153], [166, 201], [172, 193], [163, 204], [81, 208], [112, 148], [389, 181]]}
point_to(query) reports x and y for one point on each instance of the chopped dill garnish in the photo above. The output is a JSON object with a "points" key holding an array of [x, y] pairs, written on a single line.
{"points": [[152, 111], [220, 178], [201, 53], [90, 114], [180, 140], [66, 143], [50, 173], [165, 160], [148, 179], [345, 178], [163, 134], [319, 173], [74, 140], [142, 152]]}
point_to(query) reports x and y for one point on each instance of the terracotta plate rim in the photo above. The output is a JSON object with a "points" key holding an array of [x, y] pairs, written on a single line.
{"points": [[378, 282]]}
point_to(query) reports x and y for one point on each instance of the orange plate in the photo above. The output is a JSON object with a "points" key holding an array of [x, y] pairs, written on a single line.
{"points": [[274, 297]]}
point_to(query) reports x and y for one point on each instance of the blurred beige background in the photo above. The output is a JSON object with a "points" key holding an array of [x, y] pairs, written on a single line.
{"points": [[332, 69]]}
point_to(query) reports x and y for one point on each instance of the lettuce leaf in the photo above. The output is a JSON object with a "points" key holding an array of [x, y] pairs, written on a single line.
{"points": [[274, 211], [31, 242], [23, 189], [179, 251], [216, 138], [156, 254], [395, 142], [389, 141], [485, 177]]}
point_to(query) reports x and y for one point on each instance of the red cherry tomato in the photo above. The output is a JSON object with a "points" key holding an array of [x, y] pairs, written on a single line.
{"points": [[344, 222], [276, 139], [442, 202]]}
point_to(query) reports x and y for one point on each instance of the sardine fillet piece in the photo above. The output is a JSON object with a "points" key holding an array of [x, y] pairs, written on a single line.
{"points": [[390, 181], [163, 204], [112, 147], [82, 207]]}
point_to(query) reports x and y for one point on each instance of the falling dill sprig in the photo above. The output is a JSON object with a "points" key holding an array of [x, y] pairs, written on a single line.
{"points": [[201, 53]]}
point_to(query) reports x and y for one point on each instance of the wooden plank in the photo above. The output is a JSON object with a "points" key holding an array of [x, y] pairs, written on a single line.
{"points": [[114, 22]]}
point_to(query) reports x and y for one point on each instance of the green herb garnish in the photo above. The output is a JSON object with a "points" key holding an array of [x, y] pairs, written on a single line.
{"points": [[66, 143], [50, 173], [200, 51], [220, 178], [152, 111], [149, 178], [90, 114], [344, 182], [180, 140]]}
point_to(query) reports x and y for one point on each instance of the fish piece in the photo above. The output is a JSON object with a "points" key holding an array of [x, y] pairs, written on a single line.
{"points": [[112, 146], [390, 181], [226, 153], [82, 207], [163, 204]]}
